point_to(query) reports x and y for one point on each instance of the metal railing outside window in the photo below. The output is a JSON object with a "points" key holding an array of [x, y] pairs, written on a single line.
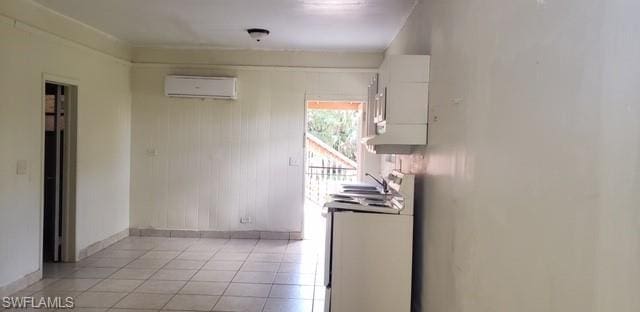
{"points": [[323, 180]]}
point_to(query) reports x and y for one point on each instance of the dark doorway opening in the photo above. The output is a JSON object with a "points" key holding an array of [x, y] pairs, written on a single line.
{"points": [[54, 140]]}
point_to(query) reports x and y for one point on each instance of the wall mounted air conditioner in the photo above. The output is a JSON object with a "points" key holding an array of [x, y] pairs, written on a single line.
{"points": [[200, 87]]}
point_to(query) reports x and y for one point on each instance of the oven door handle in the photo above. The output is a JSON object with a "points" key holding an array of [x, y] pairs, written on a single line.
{"points": [[324, 212]]}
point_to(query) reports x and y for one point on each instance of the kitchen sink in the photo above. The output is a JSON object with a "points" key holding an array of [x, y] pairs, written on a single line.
{"points": [[378, 205], [359, 187], [362, 191]]}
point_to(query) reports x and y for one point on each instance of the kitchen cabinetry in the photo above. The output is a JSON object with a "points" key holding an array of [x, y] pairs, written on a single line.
{"points": [[370, 111], [399, 108]]}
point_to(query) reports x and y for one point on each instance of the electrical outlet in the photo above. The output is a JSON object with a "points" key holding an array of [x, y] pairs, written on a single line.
{"points": [[246, 220]]}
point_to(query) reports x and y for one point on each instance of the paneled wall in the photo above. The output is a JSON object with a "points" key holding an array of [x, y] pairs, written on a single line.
{"points": [[204, 164], [103, 140]]}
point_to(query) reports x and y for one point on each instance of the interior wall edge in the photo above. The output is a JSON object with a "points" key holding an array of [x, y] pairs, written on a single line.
{"points": [[186, 66], [22, 26], [37, 18], [256, 57], [405, 21]]}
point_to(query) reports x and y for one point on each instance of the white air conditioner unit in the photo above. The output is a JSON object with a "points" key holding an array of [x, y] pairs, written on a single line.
{"points": [[200, 87]]}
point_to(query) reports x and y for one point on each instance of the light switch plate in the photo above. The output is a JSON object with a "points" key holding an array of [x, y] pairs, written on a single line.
{"points": [[151, 152], [294, 162], [22, 167]]}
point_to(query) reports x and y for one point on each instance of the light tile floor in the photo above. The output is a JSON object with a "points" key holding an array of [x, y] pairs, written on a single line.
{"points": [[191, 274]]}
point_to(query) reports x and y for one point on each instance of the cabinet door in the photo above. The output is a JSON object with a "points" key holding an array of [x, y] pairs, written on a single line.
{"points": [[381, 97], [381, 106], [369, 125], [376, 115], [407, 103]]}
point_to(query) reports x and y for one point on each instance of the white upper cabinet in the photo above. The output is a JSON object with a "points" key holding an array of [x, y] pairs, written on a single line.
{"points": [[398, 112], [404, 68], [405, 103]]}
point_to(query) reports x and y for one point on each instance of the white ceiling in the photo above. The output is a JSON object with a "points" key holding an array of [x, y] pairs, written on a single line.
{"points": [[328, 25]]}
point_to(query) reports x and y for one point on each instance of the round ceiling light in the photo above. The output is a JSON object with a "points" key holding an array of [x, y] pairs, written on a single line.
{"points": [[258, 34]]}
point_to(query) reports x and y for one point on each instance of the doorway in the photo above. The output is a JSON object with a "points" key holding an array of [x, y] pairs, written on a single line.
{"points": [[333, 155], [58, 224]]}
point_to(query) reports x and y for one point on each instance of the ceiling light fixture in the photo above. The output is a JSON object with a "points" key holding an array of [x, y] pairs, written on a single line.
{"points": [[333, 5], [258, 34]]}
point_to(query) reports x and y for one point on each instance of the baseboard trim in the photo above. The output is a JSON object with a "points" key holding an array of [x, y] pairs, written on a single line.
{"points": [[33, 277], [20, 283], [100, 245], [151, 232]]}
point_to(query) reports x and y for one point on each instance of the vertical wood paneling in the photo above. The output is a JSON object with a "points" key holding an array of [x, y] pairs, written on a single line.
{"points": [[216, 167], [160, 183], [145, 201], [261, 152], [227, 168], [175, 152], [234, 174], [205, 165], [221, 160], [244, 163], [282, 106]]}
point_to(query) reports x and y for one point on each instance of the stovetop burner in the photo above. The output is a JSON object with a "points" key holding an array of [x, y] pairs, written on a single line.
{"points": [[338, 196]]}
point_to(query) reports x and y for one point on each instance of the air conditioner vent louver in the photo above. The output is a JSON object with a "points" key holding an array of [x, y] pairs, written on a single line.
{"points": [[200, 87]]}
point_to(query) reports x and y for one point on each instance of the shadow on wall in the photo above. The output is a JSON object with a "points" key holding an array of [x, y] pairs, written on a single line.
{"points": [[415, 164], [418, 243]]}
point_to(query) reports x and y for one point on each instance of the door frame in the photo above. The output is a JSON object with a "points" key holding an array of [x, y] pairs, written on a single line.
{"points": [[308, 97], [69, 179]]}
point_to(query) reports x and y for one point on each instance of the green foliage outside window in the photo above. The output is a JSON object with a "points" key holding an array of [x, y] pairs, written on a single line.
{"points": [[337, 128]]}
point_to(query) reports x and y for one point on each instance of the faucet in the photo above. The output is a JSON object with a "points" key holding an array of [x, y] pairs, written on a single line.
{"points": [[385, 185]]}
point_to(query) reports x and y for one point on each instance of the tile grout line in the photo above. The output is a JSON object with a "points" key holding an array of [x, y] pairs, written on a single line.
{"points": [[236, 274], [151, 275], [197, 271], [186, 282], [107, 277], [255, 248], [191, 279], [101, 280]]}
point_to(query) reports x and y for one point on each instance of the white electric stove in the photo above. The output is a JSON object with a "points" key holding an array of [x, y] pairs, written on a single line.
{"points": [[369, 246]]}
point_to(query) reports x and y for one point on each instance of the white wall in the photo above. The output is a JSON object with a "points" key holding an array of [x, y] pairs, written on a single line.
{"points": [[42, 18], [220, 160], [531, 180], [103, 159]]}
